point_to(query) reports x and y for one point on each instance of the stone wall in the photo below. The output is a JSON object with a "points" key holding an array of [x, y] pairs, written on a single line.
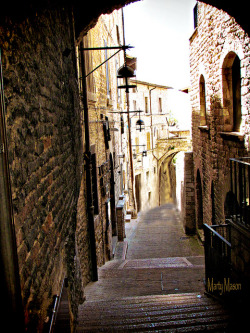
{"points": [[44, 144], [104, 128], [217, 36], [188, 205], [215, 46]]}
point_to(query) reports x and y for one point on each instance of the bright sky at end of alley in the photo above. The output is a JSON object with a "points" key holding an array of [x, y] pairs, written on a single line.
{"points": [[160, 31]]}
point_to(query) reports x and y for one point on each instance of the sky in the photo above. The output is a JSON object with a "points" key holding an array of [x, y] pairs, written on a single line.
{"points": [[160, 31]]}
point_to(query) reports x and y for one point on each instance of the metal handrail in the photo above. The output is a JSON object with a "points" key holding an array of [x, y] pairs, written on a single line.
{"points": [[217, 234], [57, 299], [240, 160]]}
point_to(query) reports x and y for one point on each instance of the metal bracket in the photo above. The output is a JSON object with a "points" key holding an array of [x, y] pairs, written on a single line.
{"points": [[121, 47]]}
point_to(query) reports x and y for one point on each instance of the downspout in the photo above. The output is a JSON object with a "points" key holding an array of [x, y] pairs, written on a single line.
{"points": [[9, 271], [90, 207], [151, 116], [132, 192]]}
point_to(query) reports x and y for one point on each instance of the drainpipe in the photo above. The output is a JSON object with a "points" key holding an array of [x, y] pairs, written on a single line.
{"points": [[150, 104], [11, 300], [90, 207], [132, 197]]}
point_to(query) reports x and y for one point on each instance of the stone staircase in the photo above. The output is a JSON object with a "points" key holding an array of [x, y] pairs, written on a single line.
{"points": [[189, 312]]}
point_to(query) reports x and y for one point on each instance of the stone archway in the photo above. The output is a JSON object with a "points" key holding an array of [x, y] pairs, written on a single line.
{"points": [[167, 181]]}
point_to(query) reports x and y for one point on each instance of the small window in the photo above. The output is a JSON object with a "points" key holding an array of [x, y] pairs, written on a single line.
{"points": [[195, 11], [107, 71], [203, 111], [137, 145], [148, 141], [146, 104], [106, 131], [160, 105], [122, 125]]}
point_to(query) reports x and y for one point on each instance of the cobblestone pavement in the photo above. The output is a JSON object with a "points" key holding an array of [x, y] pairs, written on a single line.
{"points": [[156, 258]]}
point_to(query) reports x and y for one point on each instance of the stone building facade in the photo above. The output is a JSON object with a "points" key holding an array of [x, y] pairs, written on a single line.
{"points": [[45, 126], [152, 100], [217, 43], [219, 65], [156, 145], [104, 103]]}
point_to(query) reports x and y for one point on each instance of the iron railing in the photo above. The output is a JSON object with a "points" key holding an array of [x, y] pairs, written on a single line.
{"points": [[239, 205], [217, 257]]}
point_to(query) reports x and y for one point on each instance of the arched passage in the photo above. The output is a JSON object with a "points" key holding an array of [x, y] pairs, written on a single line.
{"points": [[167, 181], [171, 176]]}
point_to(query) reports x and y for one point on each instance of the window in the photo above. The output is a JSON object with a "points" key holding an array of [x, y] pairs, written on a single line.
{"points": [[122, 125], [160, 105], [236, 78], [203, 115], [137, 145], [107, 70], [231, 83], [88, 55], [106, 131], [146, 104], [148, 141], [195, 16]]}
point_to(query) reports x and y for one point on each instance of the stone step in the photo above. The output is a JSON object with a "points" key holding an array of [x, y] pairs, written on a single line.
{"points": [[171, 299], [181, 325], [173, 313], [130, 317], [127, 217]]}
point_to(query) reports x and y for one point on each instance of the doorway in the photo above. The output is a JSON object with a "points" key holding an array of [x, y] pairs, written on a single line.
{"points": [[138, 191]]}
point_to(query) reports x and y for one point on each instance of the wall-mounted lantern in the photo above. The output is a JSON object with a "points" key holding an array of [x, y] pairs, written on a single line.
{"points": [[126, 72], [140, 125]]}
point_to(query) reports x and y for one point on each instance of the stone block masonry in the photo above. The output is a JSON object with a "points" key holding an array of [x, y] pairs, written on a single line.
{"points": [[217, 38], [44, 143], [189, 194]]}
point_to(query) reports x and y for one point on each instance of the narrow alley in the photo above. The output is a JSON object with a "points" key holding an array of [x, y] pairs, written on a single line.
{"points": [[156, 281]]}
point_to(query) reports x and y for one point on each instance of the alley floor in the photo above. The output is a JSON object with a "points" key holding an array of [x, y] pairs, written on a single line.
{"points": [[157, 263]]}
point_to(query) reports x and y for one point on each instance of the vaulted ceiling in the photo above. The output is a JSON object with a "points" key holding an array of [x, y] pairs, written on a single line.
{"points": [[87, 12]]}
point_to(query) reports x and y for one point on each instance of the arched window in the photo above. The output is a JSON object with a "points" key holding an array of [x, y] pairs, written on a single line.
{"points": [[203, 111], [231, 81]]}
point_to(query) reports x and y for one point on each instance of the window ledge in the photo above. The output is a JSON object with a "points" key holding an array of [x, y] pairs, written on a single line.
{"points": [[232, 136], [204, 128]]}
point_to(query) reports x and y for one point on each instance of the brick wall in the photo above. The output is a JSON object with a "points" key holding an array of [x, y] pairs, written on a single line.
{"points": [[44, 156]]}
